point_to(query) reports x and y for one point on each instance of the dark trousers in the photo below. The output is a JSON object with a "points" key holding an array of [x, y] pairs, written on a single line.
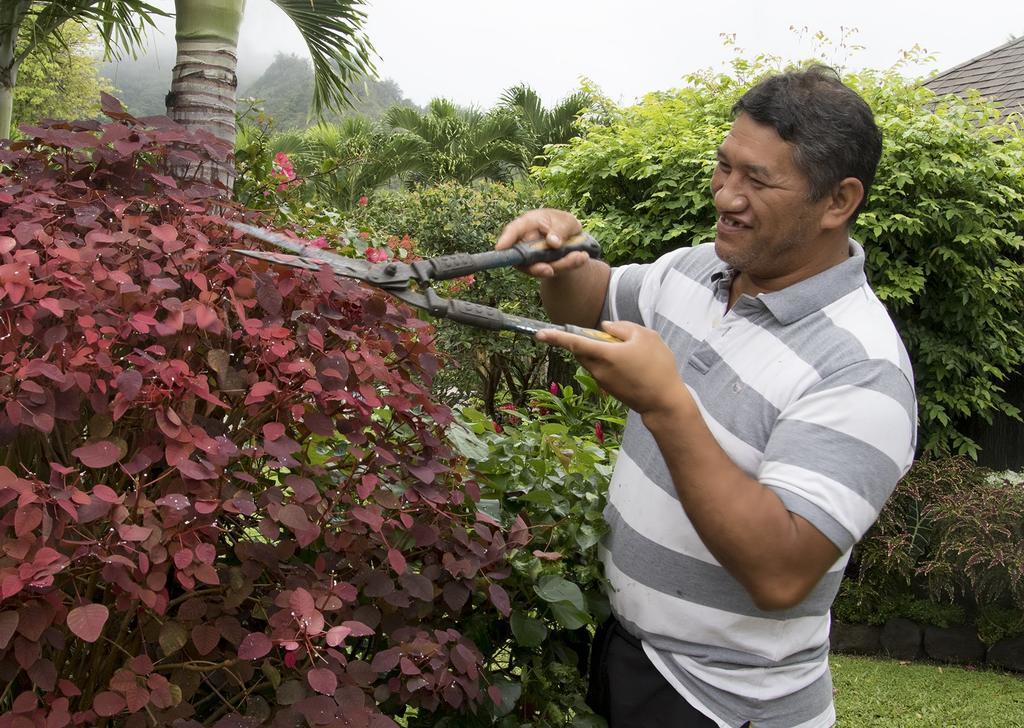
{"points": [[628, 691]]}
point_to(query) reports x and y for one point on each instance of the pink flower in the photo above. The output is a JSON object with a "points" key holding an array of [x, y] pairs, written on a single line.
{"points": [[510, 408], [363, 200], [318, 242], [599, 432], [376, 255], [282, 169], [497, 428], [553, 388]]}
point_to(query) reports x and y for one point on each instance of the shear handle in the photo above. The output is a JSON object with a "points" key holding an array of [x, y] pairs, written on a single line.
{"points": [[521, 254], [488, 317]]}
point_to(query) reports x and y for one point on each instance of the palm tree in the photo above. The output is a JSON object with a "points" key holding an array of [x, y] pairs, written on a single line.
{"points": [[539, 126], [203, 80], [451, 143], [346, 160], [26, 24]]}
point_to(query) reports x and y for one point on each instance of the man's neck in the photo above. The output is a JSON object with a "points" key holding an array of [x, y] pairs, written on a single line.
{"points": [[833, 253]]}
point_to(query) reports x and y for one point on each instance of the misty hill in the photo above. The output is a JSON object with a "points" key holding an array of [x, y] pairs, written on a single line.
{"points": [[284, 90], [141, 84]]}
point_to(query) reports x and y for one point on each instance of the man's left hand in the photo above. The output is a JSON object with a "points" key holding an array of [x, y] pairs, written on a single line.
{"points": [[640, 372]]}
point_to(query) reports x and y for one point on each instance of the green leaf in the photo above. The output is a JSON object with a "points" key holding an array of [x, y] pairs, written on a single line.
{"points": [[553, 589], [569, 616], [467, 443], [529, 632]]}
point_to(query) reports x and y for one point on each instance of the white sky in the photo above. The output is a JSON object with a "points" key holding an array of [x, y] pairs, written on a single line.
{"points": [[472, 50]]}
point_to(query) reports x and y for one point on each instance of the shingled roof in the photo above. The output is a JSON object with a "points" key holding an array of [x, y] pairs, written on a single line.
{"points": [[998, 75]]}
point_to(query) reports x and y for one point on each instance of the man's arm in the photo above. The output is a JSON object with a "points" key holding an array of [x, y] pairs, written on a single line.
{"points": [[572, 289], [776, 555]]}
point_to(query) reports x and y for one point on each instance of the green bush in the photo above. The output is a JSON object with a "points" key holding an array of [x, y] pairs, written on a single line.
{"points": [[483, 366], [543, 473], [942, 230], [947, 548]]}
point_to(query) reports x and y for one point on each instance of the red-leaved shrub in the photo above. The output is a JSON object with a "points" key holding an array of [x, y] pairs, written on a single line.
{"points": [[225, 495]]}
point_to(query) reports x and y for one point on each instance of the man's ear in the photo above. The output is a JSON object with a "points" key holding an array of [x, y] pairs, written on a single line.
{"points": [[841, 203]]}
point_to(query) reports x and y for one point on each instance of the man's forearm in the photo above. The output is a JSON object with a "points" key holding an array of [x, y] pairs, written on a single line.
{"points": [[577, 296], [776, 555]]}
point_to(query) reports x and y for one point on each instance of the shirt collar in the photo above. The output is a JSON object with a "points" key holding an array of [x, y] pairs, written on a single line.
{"points": [[811, 294]]}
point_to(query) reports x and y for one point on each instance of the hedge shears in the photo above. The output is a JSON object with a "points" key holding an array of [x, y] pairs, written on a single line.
{"points": [[410, 282]]}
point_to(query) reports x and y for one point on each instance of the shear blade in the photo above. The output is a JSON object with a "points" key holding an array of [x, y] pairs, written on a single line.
{"points": [[302, 256]]}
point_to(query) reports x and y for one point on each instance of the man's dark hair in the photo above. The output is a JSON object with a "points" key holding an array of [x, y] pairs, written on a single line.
{"points": [[832, 129]]}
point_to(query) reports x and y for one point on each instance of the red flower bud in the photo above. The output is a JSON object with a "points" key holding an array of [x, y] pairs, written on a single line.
{"points": [[599, 432]]}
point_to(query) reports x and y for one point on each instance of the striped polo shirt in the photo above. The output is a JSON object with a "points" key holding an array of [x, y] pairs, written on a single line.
{"points": [[810, 391]]}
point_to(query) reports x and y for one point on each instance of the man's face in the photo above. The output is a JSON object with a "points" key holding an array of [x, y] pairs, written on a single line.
{"points": [[767, 225]]}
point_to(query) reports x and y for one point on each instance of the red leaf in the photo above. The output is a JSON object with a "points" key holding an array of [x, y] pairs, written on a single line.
{"points": [[10, 585], [87, 621], [302, 602], [131, 532], [165, 233], [423, 472], [335, 635], [322, 680], [397, 561], [206, 317], [273, 430], [205, 637], [206, 552], [408, 667], [367, 484], [183, 558], [53, 306], [373, 520], [259, 392], [27, 519], [107, 704], [254, 646], [100, 454], [499, 598], [358, 629], [9, 623], [106, 494], [294, 517], [141, 665]]}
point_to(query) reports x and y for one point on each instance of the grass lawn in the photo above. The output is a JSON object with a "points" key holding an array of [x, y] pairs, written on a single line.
{"points": [[873, 693]]}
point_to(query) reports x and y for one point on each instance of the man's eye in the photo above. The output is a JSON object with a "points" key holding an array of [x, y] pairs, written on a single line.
{"points": [[756, 183]]}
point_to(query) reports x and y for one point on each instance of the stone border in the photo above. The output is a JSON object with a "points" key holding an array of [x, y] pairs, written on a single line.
{"points": [[902, 639]]}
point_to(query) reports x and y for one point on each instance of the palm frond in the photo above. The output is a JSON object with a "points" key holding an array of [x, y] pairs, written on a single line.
{"points": [[340, 50], [122, 23]]}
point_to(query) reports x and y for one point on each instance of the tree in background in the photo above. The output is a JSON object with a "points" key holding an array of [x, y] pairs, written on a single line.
{"points": [[539, 126], [203, 81], [60, 80], [943, 229], [25, 25], [451, 144]]}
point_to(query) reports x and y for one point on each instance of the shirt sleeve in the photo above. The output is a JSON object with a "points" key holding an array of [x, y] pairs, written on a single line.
{"points": [[633, 290], [837, 452]]}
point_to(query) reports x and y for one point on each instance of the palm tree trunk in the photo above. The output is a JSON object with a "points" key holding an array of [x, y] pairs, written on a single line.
{"points": [[203, 81], [11, 16]]}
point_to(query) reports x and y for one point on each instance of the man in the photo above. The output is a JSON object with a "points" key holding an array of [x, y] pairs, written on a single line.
{"points": [[772, 412]]}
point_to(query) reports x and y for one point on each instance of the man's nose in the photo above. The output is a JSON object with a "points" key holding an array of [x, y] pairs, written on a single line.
{"points": [[728, 198]]}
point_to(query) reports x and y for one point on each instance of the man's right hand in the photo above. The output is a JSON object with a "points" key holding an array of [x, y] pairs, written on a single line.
{"points": [[553, 226]]}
